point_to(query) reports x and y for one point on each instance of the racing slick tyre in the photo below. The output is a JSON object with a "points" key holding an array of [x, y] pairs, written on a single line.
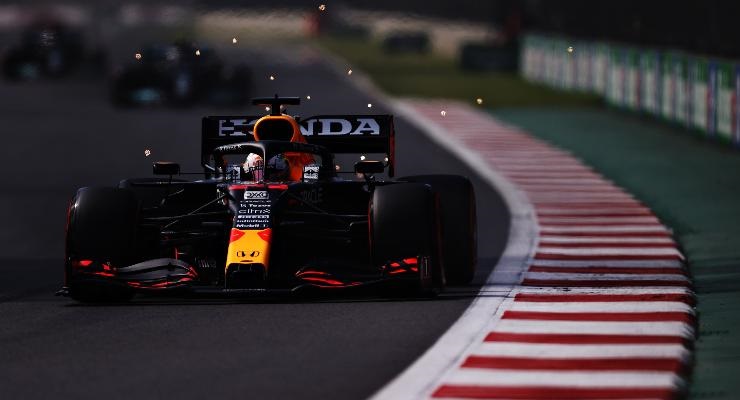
{"points": [[404, 224], [101, 227], [458, 218]]}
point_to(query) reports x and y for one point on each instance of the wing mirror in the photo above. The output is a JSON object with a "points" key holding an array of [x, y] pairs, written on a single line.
{"points": [[369, 167], [166, 168]]}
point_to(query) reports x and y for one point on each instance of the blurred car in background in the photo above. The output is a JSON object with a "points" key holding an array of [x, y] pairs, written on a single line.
{"points": [[46, 49], [180, 74]]}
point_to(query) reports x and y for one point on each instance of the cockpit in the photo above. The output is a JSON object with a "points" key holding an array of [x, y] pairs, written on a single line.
{"points": [[273, 161]]}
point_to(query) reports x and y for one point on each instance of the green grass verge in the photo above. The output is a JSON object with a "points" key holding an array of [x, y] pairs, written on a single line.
{"points": [[433, 76]]}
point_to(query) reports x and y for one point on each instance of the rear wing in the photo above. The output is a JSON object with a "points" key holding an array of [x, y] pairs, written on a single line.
{"points": [[338, 133]]}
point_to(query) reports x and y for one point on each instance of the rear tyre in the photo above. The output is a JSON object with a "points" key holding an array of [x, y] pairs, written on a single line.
{"points": [[102, 227], [404, 224], [459, 227]]}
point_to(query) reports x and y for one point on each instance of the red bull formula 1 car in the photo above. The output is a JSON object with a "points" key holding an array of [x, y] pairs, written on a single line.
{"points": [[271, 215]]}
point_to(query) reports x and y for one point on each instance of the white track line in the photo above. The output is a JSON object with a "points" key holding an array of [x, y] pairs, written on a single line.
{"points": [[590, 220], [596, 239], [421, 378], [580, 351], [611, 263], [616, 291], [672, 328], [600, 277], [601, 250], [603, 306], [544, 210], [558, 181], [607, 379], [551, 230]]}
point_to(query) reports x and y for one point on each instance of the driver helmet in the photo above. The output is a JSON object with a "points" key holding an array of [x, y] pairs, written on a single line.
{"points": [[253, 167], [277, 168]]}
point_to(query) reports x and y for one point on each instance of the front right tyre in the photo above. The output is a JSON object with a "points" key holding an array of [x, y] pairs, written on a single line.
{"points": [[101, 228]]}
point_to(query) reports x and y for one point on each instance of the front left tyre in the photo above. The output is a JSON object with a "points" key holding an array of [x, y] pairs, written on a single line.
{"points": [[457, 210], [404, 223]]}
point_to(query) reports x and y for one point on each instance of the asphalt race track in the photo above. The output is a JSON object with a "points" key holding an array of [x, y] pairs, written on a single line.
{"points": [[62, 135]]}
